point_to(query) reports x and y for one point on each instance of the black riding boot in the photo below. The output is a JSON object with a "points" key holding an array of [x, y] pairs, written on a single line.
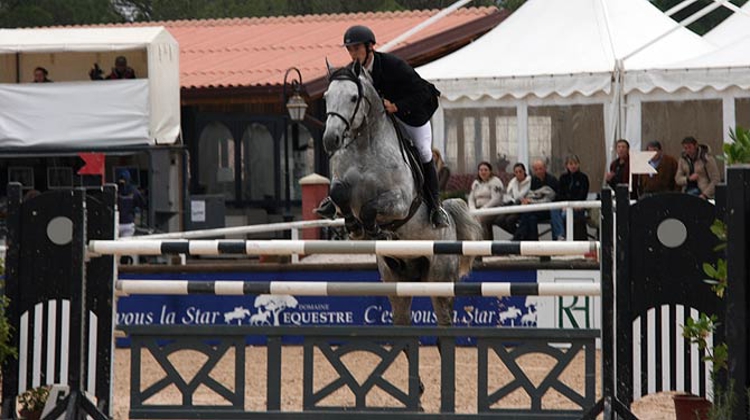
{"points": [[326, 209], [438, 216]]}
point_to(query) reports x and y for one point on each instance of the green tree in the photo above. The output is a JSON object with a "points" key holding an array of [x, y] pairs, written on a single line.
{"points": [[153, 10], [30, 13]]}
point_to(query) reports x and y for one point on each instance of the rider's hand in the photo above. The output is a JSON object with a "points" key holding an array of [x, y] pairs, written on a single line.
{"points": [[390, 106]]}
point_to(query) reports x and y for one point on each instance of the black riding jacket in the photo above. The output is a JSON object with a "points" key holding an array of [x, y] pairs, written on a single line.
{"points": [[395, 80]]}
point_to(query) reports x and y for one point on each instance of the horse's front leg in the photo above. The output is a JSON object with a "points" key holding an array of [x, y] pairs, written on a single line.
{"points": [[389, 206], [340, 194]]}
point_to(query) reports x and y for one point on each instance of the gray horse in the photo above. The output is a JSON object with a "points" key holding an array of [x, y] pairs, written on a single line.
{"points": [[376, 193]]}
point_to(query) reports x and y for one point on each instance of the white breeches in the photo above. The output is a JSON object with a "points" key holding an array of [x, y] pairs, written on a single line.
{"points": [[422, 138]]}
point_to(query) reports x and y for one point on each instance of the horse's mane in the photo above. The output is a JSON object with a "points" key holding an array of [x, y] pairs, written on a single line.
{"points": [[342, 73]]}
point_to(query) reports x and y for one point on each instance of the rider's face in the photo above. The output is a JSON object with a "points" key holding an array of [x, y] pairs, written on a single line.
{"points": [[357, 52]]}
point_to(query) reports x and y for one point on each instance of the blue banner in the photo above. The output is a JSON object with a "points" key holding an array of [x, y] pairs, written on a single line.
{"points": [[313, 310]]}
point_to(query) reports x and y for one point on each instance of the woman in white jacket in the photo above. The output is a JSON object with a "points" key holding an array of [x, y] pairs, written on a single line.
{"points": [[486, 191], [517, 189]]}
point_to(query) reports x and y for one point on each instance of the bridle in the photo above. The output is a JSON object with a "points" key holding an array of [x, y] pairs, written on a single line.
{"points": [[346, 74]]}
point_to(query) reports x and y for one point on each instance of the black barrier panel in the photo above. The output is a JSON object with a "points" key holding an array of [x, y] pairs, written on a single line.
{"points": [[44, 233], [663, 242], [49, 305]]}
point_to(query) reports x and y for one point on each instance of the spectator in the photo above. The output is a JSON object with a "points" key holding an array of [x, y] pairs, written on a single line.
{"points": [[443, 172], [517, 189], [128, 199], [697, 172], [664, 178], [619, 169], [40, 75], [486, 192], [574, 186], [543, 189], [119, 71]]}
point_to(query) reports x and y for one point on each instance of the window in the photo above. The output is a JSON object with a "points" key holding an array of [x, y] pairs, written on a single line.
{"points": [[485, 135], [23, 175], [217, 160], [59, 177]]}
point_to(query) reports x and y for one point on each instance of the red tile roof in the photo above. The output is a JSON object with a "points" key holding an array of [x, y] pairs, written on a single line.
{"points": [[254, 52]]}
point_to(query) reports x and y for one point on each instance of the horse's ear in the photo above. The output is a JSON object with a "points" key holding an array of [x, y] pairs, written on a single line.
{"points": [[357, 67], [329, 67]]}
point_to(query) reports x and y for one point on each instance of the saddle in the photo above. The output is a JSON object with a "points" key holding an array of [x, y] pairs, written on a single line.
{"points": [[410, 154], [411, 157]]}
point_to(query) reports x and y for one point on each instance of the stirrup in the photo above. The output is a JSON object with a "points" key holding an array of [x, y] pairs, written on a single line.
{"points": [[326, 209], [439, 218]]}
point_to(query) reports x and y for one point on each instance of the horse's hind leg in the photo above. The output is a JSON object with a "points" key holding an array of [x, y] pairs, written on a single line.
{"points": [[401, 307], [401, 310], [443, 307]]}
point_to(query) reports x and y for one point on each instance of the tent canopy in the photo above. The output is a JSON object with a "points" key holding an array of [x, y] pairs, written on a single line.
{"points": [[562, 48], [732, 29], [84, 114], [81, 39], [726, 67]]}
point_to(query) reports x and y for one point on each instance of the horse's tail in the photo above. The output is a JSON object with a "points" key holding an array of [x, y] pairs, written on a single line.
{"points": [[467, 229]]}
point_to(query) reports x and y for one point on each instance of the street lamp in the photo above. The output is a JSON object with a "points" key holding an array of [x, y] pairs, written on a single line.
{"points": [[296, 106]]}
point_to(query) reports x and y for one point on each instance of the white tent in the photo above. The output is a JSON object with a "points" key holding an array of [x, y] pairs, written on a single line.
{"points": [[552, 47], [721, 76], [732, 29], [553, 67], [76, 113]]}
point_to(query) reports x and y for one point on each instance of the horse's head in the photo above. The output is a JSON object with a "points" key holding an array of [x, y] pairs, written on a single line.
{"points": [[345, 110]]}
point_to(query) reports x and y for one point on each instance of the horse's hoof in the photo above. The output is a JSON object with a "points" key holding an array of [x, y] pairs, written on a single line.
{"points": [[326, 209], [356, 232], [382, 235]]}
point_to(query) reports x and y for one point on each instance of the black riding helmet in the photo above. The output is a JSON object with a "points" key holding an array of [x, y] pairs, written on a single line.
{"points": [[358, 34]]}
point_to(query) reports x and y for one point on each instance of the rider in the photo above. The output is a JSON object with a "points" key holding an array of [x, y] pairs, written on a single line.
{"points": [[412, 99]]}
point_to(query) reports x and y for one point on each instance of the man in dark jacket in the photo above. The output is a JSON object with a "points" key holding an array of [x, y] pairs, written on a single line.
{"points": [[666, 169], [411, 99], [544, 188]]}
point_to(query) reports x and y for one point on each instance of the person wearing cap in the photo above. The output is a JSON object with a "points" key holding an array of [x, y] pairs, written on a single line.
{"points": [[411, 99], [119, 71], [666, 169], [697, 171]]}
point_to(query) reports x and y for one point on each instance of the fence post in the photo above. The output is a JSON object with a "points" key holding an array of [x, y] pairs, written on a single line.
{"points": [[737, 216]]}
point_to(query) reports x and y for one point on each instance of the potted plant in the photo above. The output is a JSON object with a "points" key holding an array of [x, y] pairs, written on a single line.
{"points": [[32, 402], [5, 328]]}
